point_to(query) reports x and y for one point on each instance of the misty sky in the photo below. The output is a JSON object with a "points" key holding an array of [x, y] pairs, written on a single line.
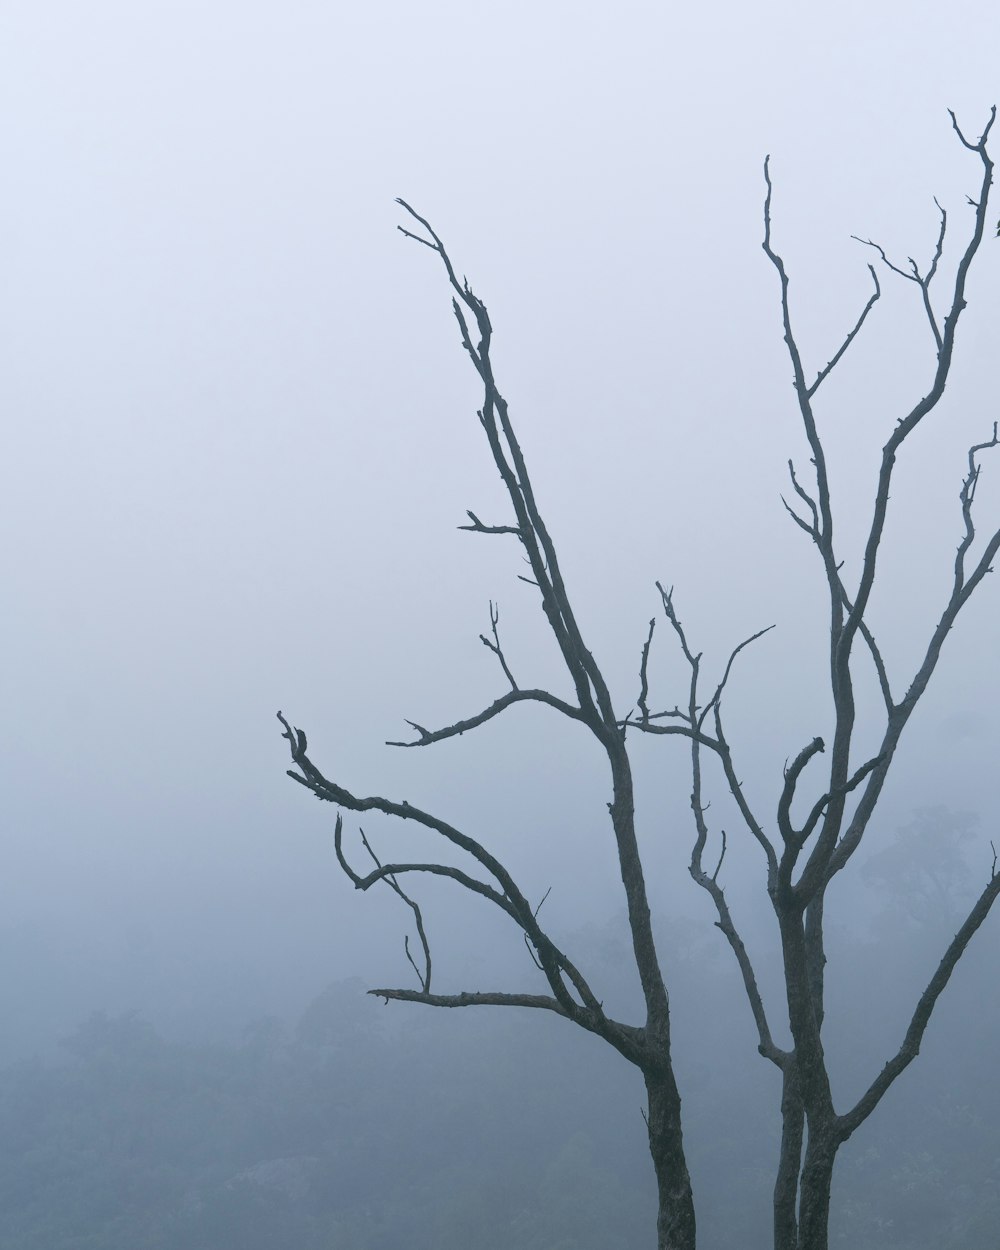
{"points": [[240, 434]]}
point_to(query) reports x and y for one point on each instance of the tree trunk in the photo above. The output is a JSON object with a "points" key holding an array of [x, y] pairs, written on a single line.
{"points": [[814, 1191], [786, 1185], [675, 1225]]}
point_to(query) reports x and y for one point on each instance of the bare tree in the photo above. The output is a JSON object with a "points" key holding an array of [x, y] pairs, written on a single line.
{"points": [[809, 851], [802, 849]]}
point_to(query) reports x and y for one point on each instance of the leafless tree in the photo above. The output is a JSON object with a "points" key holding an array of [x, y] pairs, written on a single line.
{"points": [[806, 842]]}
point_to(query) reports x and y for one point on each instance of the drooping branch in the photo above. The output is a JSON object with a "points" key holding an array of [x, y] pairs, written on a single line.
{"points": [[709, 882], [509, 898], [812, 529], [390, 878], [386, 872]]}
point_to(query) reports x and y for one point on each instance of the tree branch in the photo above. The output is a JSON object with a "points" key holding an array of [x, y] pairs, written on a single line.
{"points": [[644, 672], [509, 898], [508, 457], [714, 701], [910, 1047], [914, 275], [477, 527], [908, 424], [788, 834], [390, 879], [429, 736], [832, 364], [489, 999], [494, 646], [963, 586], [710, 882]]}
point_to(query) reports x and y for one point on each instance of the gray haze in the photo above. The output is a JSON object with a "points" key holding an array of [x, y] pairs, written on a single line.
{"points": [[240, 434]]}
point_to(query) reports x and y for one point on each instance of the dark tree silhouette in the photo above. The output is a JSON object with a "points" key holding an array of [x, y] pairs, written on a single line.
{"points": [[806, 842]]}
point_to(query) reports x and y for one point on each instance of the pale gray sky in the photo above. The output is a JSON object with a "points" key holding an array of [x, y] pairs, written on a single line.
{"points": [[240, 432]]}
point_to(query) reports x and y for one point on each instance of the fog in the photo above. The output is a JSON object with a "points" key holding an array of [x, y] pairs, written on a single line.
{"points": [[241, 435]]}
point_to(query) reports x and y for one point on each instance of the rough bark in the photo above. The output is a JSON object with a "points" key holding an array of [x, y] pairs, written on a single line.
{"points": [[786, 1184], [814, 1189], [675, 1221]]}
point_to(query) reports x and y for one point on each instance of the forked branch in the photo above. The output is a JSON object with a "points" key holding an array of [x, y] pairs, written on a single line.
{"points": [[561, 974]]}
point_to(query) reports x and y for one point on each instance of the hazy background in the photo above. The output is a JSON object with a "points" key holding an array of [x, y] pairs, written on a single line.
{"points": [[240, 433]]}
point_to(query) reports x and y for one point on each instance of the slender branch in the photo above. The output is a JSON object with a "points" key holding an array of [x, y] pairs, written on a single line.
{"points": [[477, 527], [494, 646], [682, 731], [849, 786], [716, 697], [710, 882], [766, 1045], [824, 530], [923, 281], [509, 459], [428, 736], [425, 976], [588, 1012], [671, 713], [803, 525], [876, 654], [722, 856], [804, 495], [910, 1047], [667, 597], [736, 790], [644, 672], [832, 364], [527, 942], [386, 872]]}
